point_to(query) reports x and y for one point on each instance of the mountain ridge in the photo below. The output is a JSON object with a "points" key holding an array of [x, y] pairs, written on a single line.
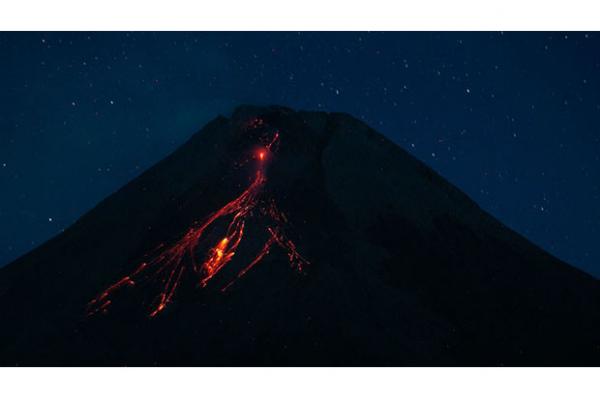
{"points": [[367, 214]]}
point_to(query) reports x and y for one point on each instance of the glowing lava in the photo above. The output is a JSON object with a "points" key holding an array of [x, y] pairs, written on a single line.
{"points": [[171, 263]]}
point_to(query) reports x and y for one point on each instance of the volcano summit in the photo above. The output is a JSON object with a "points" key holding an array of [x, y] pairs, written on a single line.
{"points": [[277, 237]]}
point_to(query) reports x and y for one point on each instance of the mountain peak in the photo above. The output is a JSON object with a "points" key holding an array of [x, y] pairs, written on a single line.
{"points": [[277, 236]]}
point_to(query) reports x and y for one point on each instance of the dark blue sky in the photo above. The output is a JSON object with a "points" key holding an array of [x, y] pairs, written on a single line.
{"points": [[512, 119]]}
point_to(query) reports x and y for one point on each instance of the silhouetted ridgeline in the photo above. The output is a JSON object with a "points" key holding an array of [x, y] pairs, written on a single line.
{"points": [[400, 267]]}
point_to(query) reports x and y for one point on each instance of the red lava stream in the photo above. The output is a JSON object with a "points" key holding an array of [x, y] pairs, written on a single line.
{"points": [[173, 262]]}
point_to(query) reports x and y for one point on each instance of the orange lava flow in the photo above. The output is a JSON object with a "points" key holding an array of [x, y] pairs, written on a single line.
{"points": [[171, 263]]}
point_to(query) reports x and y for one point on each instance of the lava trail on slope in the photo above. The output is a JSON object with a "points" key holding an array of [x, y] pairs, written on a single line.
{"points": [[170, 264]]}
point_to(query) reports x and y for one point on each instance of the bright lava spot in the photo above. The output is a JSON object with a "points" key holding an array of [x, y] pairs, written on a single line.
{"points": [[172, 262]]}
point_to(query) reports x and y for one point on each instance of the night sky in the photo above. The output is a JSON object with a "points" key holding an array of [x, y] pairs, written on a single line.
{"points": [[512, 119]]}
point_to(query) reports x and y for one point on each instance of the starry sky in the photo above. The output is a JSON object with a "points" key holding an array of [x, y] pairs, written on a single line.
{"points": [[512, 119]]}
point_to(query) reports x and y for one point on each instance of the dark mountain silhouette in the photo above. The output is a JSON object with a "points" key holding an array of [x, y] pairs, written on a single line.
{"points": [[277, 237]]}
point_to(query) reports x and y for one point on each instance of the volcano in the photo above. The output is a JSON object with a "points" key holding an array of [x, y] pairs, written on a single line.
{"points": [[282, 237]]}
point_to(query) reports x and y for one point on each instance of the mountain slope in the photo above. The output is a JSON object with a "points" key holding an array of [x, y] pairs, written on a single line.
{"points": [[398, 266]]}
